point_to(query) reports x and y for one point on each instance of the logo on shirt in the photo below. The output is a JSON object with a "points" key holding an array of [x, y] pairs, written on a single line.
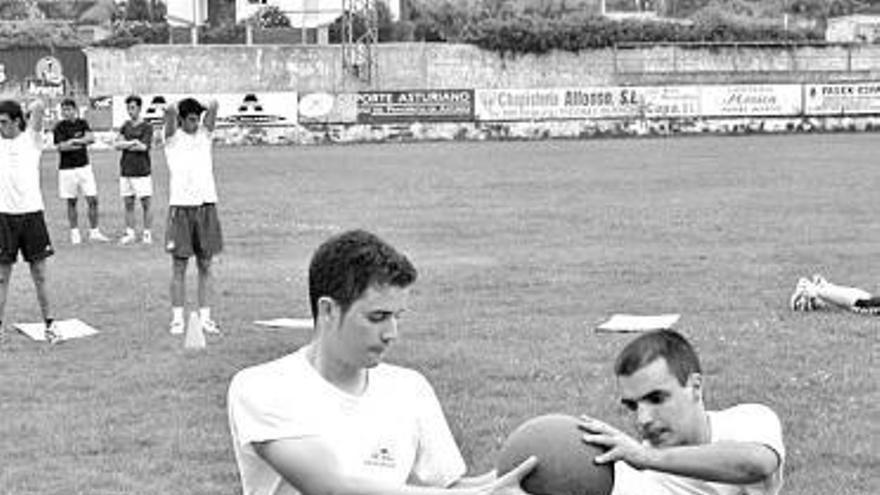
{"points": [[382, 457]]}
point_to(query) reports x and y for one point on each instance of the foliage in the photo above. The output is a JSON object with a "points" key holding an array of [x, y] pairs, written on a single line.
{"points": [[35, 33], [270, 17], [536, 34], [128, 33]]}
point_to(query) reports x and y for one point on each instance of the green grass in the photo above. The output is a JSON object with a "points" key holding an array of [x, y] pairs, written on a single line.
{"points": [[522, 248]]}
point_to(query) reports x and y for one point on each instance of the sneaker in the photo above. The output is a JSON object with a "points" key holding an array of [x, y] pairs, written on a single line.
{"points": [[869, 306], [177, 327], [804, 296], [96, 235], [75, 238], [819, 280], [127, 238], [147, 238], [52, 336], [210, 326]]}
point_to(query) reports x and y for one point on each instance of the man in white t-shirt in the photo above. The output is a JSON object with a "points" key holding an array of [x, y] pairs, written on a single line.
{"points": [[332, 417], [685, 449], [193, 224], [22, 222]]}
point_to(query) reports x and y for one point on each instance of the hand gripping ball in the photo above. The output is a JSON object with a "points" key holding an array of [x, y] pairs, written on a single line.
{"points": [[565, 461]]}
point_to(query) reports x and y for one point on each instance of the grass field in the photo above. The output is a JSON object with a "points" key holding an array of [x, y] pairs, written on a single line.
{"points": [[522, 248]]}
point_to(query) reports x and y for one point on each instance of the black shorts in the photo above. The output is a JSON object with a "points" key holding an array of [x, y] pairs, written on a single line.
{"points": [[193, 230], [25, 232]]}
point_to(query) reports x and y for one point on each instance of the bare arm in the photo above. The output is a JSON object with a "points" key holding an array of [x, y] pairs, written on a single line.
{"points": [[310, 466], [121, 143], [170, 119], [725, 462], [210, 120], [36, 111], [87, 139]]}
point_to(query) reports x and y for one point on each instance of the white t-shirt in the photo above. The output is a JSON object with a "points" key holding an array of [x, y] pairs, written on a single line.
{"points": [[742, 423], [395, 432], [190, 168], [20, 173]]}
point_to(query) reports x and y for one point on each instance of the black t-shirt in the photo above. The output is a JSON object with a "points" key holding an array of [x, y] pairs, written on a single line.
{"points": [[136, 163], [70, 129]]}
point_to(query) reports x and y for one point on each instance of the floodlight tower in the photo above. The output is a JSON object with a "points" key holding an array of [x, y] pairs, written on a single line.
{"points": [[360, 33]]}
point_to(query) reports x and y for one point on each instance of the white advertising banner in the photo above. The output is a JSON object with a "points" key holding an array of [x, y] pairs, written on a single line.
{"points": [[751, 100], [671, 101], [235, 109], [556, 103], [588, 103], [842, 99]]}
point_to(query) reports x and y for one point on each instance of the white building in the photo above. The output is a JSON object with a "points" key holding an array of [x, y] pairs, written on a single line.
{"points": [[856, 28]]}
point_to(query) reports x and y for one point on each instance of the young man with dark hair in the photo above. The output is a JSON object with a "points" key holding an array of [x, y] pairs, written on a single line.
{"points": [[332, 417], [135, 140], [72, 137], [22, 223], [684, 448], [193, 225]]}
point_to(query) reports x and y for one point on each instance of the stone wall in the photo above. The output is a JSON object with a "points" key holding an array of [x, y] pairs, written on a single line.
{"points": [[225, 69]]}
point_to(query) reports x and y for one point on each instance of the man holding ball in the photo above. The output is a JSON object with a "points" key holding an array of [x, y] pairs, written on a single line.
{"points": [[685, 449]]}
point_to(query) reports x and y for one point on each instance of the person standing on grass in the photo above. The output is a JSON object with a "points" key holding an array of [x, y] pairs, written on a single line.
{"points": [[22, 222], [331, 417], [684, 449], [135, 140], [193, 227], [72, 137]]}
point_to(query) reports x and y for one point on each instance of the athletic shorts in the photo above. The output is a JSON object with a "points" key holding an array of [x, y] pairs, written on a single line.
{"points": [[141, 187], [193, 230], [73, 180], [25, 232]]}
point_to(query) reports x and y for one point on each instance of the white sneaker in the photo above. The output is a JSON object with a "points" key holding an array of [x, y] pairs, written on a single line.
{"points": [[210, 326], [177, 327], [96, 236], [804, 296], [75, 237], [127, 238], [147, 238]]}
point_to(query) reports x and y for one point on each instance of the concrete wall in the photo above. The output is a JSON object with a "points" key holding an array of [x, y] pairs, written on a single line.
{"points": [[223, 69]]}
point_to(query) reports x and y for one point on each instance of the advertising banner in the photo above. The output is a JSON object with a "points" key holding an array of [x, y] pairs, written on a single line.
{"points": [[435, 105], [558, 103], [326, 108], [236, 109], [842, 99], [751, 100], [670, 101]]}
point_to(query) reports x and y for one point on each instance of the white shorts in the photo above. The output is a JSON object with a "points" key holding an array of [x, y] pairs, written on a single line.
{"points": [[73, 180], [141, 187]]}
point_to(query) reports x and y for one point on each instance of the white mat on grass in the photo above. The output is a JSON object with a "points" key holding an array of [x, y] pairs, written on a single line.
{"points": [[302, 323], [638, 323], [66, 329]]}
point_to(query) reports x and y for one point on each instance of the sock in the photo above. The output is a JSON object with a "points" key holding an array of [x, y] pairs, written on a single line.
{"points": [[205, 313], [177, 314], [95, 230], [129, 231]]}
